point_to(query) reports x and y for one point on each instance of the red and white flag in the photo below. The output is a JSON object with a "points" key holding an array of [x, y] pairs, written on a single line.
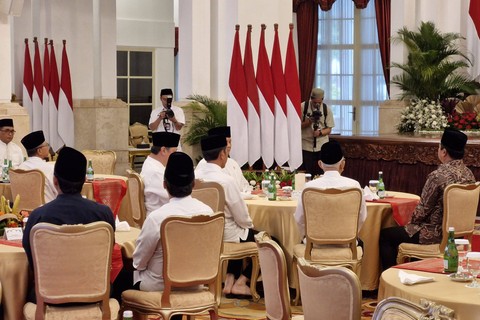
{"points": [[56, 141], [281, 132], [294, 100], [267, 101], [473, 37], [37, 89], [28, 84], [65, 104], [254, 142], [46, 92], [237, 105]]}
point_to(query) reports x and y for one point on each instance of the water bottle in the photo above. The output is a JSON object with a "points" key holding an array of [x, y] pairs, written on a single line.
{"points": [[5, 176], [127, 315], [272, 189], [90, 173], [265, 182], [380, 186], [450, 256]]}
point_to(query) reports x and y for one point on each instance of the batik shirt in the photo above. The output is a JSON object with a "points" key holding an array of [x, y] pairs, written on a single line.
{"points": [[428, 215]]}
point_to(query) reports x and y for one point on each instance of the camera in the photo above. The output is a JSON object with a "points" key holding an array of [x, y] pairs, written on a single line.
{"points": [[169, 112], [315, 116]]}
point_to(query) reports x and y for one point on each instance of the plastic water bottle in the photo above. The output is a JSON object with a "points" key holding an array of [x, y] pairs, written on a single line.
{"points": [[380, 186], [5, 176], [90, 173]]}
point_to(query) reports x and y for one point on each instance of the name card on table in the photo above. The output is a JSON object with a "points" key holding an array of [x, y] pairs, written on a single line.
{"points": [[13, 233]]}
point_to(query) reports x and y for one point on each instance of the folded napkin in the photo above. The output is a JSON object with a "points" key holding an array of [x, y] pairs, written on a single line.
{"points": [[121, 226], [368, 195], [410, 278]]}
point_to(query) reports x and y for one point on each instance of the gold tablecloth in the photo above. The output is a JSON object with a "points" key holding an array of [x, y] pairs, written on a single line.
{"points": [[465, 301], [14, 275], [276, 217]]}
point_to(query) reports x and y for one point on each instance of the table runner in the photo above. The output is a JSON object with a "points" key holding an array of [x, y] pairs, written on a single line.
{"points": [[110, 192], [402, 208], [434, 265]]}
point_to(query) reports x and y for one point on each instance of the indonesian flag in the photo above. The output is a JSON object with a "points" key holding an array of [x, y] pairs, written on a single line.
{"points": [[37, 100], [254, 142], [237, 106], [28, 84], [267, 101], [473, 36], [65, 103], [294, 100], [281, 132], [46, 92], [56, 141]]}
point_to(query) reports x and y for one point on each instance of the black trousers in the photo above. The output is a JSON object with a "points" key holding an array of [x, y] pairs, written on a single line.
{"points": [[235, 266], [310, 163], [390, 239]]}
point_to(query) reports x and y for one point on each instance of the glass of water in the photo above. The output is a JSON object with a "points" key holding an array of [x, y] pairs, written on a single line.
{"points": [[372, 184]]}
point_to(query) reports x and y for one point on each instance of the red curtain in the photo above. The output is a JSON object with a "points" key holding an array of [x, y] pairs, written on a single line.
{"points": [[361, 4], [383, 13]]}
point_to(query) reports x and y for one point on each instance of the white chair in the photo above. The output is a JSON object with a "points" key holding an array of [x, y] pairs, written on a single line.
{"points": [[395, 308]]}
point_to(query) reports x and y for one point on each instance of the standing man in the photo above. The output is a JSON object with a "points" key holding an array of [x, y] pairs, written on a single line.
{"points": [[231, 167], [9, 150], [153, 169], [425, 226], [238, 224], [317, 124], [38, 151], [167, 118]]}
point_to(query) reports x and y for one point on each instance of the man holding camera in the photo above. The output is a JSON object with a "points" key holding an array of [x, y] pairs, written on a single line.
{"points": [[317, 123], [168, 118]]}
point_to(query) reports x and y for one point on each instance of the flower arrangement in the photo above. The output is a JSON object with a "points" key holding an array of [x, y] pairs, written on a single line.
{"points": [[464, 121], [422, 115], [283, 176]]}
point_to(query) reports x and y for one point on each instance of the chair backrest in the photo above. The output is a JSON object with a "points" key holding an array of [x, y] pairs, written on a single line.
{"points": [[103, 161], [333, 292], [460, 203], [191, 251], [138, 133], [331, 217], [211, 193], [274, 275], [401, 309], [30, 185], [79, 271], [137, 197]]}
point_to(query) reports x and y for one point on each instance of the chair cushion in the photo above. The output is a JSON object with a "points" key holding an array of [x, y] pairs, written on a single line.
{"points": [[178, 299], [327, 252], [428, 249], [236, 248], [83, 312]]}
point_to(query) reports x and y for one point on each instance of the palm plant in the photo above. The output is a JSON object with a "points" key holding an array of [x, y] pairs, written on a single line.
{"points": [[214, 116], [431, 71]]}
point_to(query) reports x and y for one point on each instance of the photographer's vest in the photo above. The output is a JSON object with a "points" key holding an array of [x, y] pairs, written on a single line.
{"points": [[325, 112]]}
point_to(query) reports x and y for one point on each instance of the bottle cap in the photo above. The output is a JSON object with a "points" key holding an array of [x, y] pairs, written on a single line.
{"points": [[380, 172], [450, 229], [128, 313]]}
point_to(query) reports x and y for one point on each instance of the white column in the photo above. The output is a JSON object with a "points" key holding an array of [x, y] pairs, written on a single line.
{"points": [[6, 58]]}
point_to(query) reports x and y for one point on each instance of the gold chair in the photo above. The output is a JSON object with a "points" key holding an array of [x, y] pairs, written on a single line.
{"points": [[191, 250], [460, 204], [339, 288], [274, 278], [30, 185], [78, 273], [137, 197], [103, 161], [401, 309], [331, 220], [138, 134], [212, 194]]}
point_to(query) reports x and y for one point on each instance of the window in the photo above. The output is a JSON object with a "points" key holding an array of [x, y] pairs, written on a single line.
{"points": [[349, 67], [135, 83]]}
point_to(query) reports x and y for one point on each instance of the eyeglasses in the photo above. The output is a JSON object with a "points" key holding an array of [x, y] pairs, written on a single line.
{"points": [[8, 131]]}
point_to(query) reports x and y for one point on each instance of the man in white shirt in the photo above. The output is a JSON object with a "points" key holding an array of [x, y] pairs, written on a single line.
{"points": [[333, 163], [148, 254], [167, 118], [238, 224], [153, 169], [231, 167], [9, 150], [38, 151]]}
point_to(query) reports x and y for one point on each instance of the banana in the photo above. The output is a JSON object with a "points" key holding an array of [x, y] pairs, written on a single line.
{"points": [[16, 205], [7, 207], [2, 203]]}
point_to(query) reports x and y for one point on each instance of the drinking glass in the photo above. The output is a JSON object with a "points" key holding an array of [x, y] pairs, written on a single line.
{"points": [[473, 265], [372, 184], [463, 247]]}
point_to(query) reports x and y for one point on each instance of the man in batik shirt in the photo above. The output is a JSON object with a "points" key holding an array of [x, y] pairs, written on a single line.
{"points": [[425, 227]]}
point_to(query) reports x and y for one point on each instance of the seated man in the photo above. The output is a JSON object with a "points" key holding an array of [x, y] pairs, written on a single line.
{"points": [[8, 149], [148, 256], [332, 162], [164, 144], [38, 151], [69, 207], [238, 224], [425, 226]]}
